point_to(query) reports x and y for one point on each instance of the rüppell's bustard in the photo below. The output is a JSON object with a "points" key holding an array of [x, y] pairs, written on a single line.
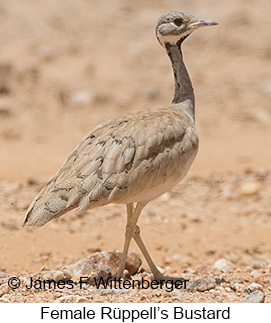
{"points": [[132, 159]]}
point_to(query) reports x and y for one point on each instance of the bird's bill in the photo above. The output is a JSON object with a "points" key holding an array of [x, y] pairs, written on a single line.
{"points": [[202, 23]]}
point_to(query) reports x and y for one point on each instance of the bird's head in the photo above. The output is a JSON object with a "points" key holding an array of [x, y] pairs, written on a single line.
{"points": [[174, 26]]}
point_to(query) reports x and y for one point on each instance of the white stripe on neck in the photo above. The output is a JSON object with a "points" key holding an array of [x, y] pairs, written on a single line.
{"points": [[172, 39]]}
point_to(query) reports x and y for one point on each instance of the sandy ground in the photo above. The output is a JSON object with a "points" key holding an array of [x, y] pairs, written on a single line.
{"points": [[64, 69]]}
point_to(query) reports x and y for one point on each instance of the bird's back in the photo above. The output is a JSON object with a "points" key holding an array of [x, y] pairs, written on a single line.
{"points": [[130, 159]]}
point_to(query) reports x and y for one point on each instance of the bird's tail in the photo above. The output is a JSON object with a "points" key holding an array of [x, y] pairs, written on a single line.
{"points": [[45, 207]]}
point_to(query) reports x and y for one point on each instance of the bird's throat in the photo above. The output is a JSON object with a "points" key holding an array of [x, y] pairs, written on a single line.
{"points": [[184, 92]]}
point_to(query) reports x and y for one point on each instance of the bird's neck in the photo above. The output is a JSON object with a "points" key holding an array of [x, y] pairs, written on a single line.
{"points": [[184, 93]]}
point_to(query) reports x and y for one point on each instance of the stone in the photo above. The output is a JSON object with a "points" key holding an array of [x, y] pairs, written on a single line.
{"points": [[249, 188], [5, 77], [267, 298], [255, 297], [102, 264], [4, 300], [261, 115], [5, 111], [222, 265], [151, 93], [81, 97], [45, 253], [253, 287], [72, 299], [202, 284], [4, 289], [3, 274], [10, 225], [55, 275], [47, 53]]}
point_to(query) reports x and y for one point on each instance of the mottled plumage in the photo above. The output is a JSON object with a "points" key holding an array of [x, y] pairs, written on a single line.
{"points": [[134, 158]]}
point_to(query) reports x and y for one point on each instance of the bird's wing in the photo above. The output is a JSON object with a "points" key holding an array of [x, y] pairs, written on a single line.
{"points": [[116, 160]]}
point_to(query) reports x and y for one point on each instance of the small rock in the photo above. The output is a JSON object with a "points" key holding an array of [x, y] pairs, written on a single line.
{"points": [[234, 286], [259, 264], [5, 111], [4, 290], [72, 299], [255, 297], [3, 274], [113, 291], [102, 264], [266, 86], [210, 251], [102, 98], [151, 93], [249, 188], [222, 265], [253, 287], [11, 225], [32, 181], [47, 53], [4, 300], [267, 298], [261, 115], [81, 97], [255, 273], [45, 253], [55, 275], [74, 226], [202, 284], [203, 270], [5, 76]]}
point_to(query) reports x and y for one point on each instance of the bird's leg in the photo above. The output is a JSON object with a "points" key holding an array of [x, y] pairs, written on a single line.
{"points": [[157, 275], [132, 217], [128, 237]]}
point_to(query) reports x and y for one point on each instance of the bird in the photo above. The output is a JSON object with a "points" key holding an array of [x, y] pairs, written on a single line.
{"points": [[134, 158]]}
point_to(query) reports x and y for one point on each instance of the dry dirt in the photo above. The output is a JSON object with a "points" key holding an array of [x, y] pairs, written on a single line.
{"points": [[64, 69]]}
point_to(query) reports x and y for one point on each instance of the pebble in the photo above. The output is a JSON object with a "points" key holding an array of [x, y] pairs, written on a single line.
{"points": [[47, 53], [267, 298], [4, 290], [4, 111], [261, 115], [113, 291], [45, 253], [3, 274], [253, 287], [250, 188], [151, 93], [255, 297], [222, 265], [11, 225], [55, 275], [72, 299], [202, 284], [210, 251], [255, 273], [4, 300], [5, 75], [81, 97], [259, 264], [266, 86], [74, 226]]}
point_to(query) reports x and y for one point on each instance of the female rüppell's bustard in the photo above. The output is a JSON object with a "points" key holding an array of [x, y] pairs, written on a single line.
{"points": [[132, 159]]}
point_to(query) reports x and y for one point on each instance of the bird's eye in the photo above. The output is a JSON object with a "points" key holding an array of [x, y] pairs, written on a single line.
{"points": [[178, 22]]}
